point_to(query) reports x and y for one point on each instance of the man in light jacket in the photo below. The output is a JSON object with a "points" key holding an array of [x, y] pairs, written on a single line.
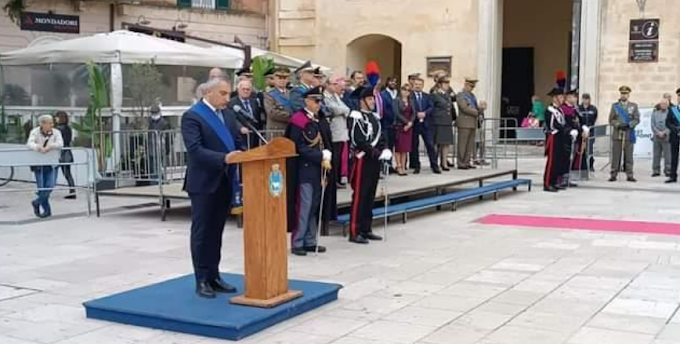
{"points": [[661, 139]]}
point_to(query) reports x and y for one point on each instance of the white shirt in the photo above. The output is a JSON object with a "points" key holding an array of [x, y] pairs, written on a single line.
{"points": [[393, 93], [214, 110]]}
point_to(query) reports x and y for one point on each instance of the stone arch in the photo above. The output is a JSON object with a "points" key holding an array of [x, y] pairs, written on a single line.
{"points": [[383, 49]]}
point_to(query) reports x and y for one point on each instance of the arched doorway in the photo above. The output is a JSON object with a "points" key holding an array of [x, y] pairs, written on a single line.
{"points": [[384, 50]]}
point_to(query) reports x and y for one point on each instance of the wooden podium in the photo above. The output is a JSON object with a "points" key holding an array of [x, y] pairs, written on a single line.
{"points": [[263, 171]]}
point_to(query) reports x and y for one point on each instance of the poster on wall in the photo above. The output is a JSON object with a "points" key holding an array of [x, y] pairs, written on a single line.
{"points": [[643, 40], [436, 64], [50, 22], [643, 145]]}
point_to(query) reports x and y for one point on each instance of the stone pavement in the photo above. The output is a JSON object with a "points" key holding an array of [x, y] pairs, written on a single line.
{"points": [[439, 279]]}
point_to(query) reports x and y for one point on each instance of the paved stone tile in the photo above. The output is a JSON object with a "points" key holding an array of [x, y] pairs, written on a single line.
{"points": [[355, 340], [293, 337], [452, 303], [391, 331], [641, 308], [513, 335], [47, 331], [497, 277], [325, 325], [629, 323], [501, 308], [61, 313], [7, 292], [519, 297], [423, 316], [588, 335], [481, 320], [10, 340], [670, 332], [455, 333], [381, 305], [476, 290]]}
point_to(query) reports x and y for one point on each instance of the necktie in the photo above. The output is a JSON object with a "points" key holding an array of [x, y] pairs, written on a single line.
{"points": [[218, 113], [247, 104], [420, 103]]}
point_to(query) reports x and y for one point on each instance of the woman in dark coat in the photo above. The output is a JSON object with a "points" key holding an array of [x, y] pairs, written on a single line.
{"points": [[443, 119], [66, 154]]}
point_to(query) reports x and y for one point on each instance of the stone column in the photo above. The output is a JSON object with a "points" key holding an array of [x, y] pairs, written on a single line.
{"points": [[591, 11], [490, 54]]}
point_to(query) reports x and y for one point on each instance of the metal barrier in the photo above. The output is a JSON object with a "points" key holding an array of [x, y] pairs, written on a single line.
{"points": [[494, 141], [23, 162]]}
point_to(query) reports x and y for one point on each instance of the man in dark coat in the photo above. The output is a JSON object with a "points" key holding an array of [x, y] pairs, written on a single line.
{"points": [[210, 138]]}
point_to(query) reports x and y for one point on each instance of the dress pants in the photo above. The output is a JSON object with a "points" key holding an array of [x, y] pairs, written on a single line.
{"points": [[555, 162], [427, 133], [208, 215], [364, 180], [661, 147], [675, 150], [307, 211], [627, 159], [466, 146]]}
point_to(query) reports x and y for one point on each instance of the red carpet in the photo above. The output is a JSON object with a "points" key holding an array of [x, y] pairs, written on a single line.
{"points": [[582, 224]]}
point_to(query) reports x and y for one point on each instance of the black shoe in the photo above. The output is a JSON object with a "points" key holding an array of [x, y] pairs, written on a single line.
{"points": [[450, 164], [359, 239], [631, 179], [36, 208], [72, 195], [45, 215], [445, 168], [560, 187], [221, 286], [656, 174], [341, 186], [573, 185], [472, 167], [371, 236], [550, 189], [392, 170], [671, 180], [298, 251], [436, 170], [416, 171], [612, 179], [321, 249], [203, 289]]}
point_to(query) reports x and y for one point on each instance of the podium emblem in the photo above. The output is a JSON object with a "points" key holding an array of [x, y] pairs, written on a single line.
{"points": [[275, 181]]}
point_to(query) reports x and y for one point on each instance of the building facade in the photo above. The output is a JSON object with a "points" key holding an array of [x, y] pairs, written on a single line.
{"points": [[515, 47], [219, 20]]}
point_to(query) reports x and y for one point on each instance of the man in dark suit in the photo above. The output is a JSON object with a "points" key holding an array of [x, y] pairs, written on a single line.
{"points": [[422, 106], [250, 104], [210, 138]]}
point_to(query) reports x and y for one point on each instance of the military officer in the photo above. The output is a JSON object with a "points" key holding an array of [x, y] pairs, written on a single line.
{"points": [[557, 134], [368, 149], [470, 113], [277, 103], [673, 123], [623, 117], [307, 76], [313, 160]]}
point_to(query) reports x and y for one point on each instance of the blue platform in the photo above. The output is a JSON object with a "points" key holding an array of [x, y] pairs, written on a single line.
{"points": [[174, 306]]}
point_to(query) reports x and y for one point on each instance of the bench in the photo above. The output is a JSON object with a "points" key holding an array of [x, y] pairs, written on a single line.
{"points": [[436, 201]]}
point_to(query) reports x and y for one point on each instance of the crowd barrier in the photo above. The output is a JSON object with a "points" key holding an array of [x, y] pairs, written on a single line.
{"points": [[18, 168]]}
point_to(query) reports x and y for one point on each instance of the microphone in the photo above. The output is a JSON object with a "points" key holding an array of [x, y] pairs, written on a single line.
{"points": [[244, 118]]}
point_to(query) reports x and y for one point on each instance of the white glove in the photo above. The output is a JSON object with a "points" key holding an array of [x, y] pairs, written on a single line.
{"points": [[573, 134], [385, 155], [355, 114], [586, 130], [326, 155]]}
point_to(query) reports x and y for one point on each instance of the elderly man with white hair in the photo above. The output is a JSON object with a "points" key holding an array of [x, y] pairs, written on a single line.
{"points": [[44, 139], [246, 99]]}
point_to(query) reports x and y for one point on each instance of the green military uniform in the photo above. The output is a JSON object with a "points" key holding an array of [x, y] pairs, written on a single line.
{"points": [[469, 114], [623, 117]]}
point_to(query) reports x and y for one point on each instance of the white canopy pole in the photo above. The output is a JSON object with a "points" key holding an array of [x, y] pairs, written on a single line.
{"points": [[116, 107]]}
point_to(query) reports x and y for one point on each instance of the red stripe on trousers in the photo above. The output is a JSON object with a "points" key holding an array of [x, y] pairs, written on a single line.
{"points": [[549, 163], [356, 187]]}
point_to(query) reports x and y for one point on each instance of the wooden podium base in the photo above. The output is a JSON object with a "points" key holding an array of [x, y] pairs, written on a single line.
{"points": [[270, 303]]}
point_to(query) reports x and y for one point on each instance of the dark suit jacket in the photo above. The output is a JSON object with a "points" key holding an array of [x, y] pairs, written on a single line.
{"points": [[206, 152], [390, 109], [256, 107], [426, 106]]}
